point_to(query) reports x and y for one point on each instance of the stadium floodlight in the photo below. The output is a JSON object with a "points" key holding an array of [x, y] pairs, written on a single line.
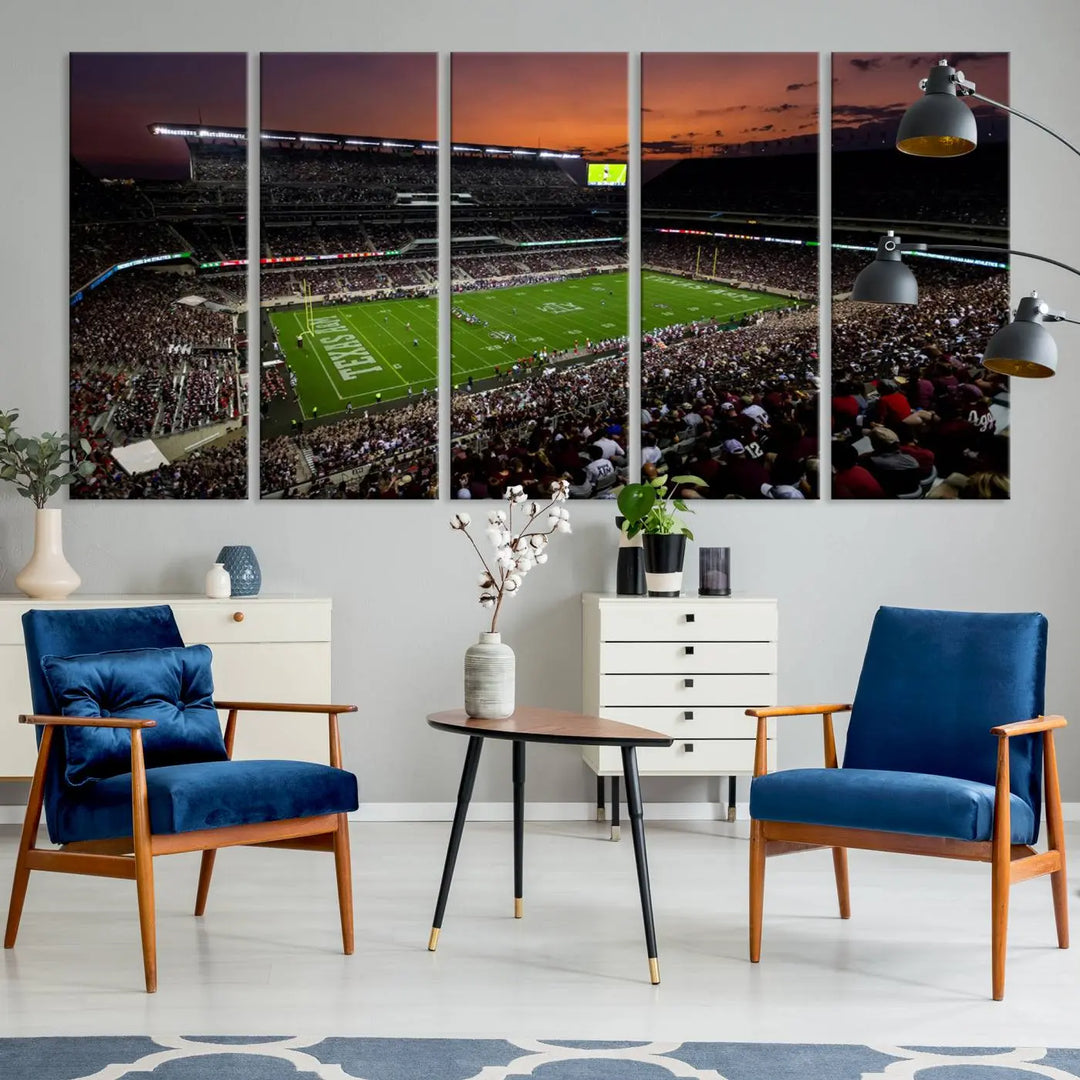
{"points": [[939, 124], [1022, 348]]}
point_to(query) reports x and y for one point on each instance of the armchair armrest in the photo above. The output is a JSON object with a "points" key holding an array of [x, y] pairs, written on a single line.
{"points": [[87, 721], [763, 716], [797, 710], [1028, 727], [279, 706], [330, 711]]}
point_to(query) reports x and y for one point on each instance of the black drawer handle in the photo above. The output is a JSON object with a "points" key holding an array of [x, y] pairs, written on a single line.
{"points": [[690, 616], [688, 683], [688, 715], [688, 748], [689, 650]]}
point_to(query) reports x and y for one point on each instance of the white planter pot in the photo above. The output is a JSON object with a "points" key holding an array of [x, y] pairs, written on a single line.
{"points": [[218, 582], [489, 678], [48, 575]]}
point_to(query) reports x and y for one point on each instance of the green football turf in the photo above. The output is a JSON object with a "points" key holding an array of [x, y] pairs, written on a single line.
{"points": [[359, 350]]}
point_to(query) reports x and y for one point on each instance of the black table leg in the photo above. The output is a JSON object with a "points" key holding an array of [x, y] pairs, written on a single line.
{"points": [[731, 798], [637, 828], [600, 798], [465, 789], [519, 825], [615, 808]]}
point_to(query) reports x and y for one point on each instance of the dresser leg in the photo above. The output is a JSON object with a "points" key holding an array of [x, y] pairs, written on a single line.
{"points": [[615, 808], [519, 825], [637, 828], [600, 814], [468, 778]]}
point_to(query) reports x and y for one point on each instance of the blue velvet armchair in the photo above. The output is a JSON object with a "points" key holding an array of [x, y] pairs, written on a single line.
{"points": [[132, 763], [948, 754]]}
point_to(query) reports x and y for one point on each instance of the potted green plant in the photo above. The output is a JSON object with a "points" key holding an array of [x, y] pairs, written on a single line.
{"points": [[39, 467], [653, 510]]}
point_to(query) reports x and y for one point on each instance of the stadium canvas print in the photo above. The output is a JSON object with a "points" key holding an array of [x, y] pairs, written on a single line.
{"points": [[158, 239], [729, 365], [538, 273], [914, 413], [348, 276]]}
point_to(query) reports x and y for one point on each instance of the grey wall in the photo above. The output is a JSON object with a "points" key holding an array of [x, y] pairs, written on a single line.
{"points": [[401, 582]]}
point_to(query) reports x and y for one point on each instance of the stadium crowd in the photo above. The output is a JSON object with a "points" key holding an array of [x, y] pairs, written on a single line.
{"points": [[756, 264], [914, 413]]}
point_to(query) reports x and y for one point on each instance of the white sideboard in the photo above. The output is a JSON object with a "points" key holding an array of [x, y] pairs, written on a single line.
{"points": [[266, 648], [687, 666]]}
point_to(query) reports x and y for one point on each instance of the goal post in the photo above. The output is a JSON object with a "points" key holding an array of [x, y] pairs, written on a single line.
{"points": [[309, 307]]}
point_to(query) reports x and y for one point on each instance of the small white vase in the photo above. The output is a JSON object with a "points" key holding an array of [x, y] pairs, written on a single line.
{"points": [[48, 575], [218, 582], [489, 678]]}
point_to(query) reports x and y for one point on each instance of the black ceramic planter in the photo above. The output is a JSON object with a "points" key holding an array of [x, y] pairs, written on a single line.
{"points": [[664, 554]]}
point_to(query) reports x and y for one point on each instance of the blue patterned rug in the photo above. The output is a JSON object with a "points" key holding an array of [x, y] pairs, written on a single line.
{"points": [[280, 1057]]}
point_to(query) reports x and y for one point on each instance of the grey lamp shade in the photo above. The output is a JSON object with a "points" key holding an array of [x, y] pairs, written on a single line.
{"points": [[939, 124], [885, 281], [1024, 348]]}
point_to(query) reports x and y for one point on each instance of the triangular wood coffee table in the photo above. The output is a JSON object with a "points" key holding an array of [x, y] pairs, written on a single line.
{"points": [[528, 724]]}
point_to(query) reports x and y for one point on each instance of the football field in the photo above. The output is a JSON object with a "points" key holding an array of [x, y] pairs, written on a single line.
{"points": [[380, 350]]}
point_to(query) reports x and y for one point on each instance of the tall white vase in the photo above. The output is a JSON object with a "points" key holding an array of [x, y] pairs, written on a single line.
{"points": [[48, 575], [489, 678]]}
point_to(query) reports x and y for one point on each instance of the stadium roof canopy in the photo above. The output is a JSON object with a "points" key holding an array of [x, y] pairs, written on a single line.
{"points": [[329, 140]]}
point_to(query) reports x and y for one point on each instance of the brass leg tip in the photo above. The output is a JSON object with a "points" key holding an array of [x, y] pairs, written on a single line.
{"points": [[519, 907], [654, 971], [433, 940], [614, 832], [601, 814]]}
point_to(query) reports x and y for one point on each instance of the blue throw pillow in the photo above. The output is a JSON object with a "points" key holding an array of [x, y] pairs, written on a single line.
{"points": [[172, 686]]}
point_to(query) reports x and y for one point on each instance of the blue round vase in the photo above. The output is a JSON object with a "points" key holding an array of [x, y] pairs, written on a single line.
{"points": [[243, 567]]}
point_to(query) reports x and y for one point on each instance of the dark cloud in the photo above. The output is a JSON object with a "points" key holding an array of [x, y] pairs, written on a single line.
{"points": [[764, 127], [863, 113], [782, 108], [666, 146], [800, 85], [645, 109], [718, 133], [870, 63], [721, 110]]}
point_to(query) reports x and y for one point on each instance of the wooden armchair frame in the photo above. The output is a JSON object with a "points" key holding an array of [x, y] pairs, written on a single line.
{"points": [[1009, 863], [132, 857]]}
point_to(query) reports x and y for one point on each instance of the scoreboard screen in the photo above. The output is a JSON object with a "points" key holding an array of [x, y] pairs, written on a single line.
{"points": [[608, 174]]}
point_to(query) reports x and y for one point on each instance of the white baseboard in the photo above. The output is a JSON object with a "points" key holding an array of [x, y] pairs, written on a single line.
{"points": [[541, 811], [12, 814]]}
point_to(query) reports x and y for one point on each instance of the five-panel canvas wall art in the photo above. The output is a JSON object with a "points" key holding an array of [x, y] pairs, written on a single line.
{"points": [[725, 249]]}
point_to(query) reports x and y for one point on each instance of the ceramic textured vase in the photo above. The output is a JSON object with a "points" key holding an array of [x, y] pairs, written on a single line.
{"points": [[630, 568], [243, 569], [218, 582], [664, 554], [489, 678], [48, 575]]}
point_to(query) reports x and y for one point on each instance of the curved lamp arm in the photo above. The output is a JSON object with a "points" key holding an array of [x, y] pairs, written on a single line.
{"points": [[1016, 112], [991, 247]]}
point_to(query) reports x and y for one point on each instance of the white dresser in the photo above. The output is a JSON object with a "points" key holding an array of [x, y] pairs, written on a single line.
{"points": [[266, 648], [687, 666]]}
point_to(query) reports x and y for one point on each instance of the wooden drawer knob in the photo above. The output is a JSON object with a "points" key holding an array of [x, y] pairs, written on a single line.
{"points": [[238, 616]]}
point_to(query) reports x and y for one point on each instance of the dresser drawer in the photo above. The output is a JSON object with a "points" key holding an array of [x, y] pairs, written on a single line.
{"points": [[689, 619], [709, 757], [212, 621], [688, 657], [687, 691], [691, 723]]}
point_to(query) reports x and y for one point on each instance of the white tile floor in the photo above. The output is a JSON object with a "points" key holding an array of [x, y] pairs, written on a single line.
{"points": [[912, 966]]}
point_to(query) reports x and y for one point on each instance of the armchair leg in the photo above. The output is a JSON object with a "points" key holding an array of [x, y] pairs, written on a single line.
{"points": [[757, 887], [206, 870], [343, 864], [27, 840], [1055, 835], [144, 861], [843, 895]]}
